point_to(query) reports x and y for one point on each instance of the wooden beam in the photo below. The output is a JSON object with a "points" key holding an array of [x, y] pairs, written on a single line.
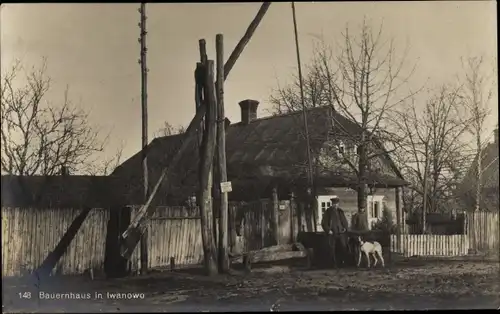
{"points": [[132, 235], [245, 39], [203, 50], [199, 88], [213, 172], [206, 172], [273, 253], [271, 256], [221, 157], [51, 260]]}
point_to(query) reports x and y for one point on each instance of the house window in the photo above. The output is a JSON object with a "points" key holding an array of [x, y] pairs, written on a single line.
{"points": [[323, 204], [376, 210]]}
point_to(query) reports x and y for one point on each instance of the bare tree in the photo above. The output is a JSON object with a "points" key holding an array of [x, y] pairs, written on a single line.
{"points": [[286, 99], [477, 96], [363, 80], [38, 137], [431, 148], [107, 165], [168, 129]]}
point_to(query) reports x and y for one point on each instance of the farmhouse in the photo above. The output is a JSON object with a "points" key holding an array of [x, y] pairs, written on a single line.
{"points": [[270, 153]]}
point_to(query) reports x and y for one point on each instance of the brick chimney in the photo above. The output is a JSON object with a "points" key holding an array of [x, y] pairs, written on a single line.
{"points": [[248, 110]]}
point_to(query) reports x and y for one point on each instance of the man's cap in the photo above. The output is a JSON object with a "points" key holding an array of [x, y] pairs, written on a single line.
{"points": [[335, 198]]}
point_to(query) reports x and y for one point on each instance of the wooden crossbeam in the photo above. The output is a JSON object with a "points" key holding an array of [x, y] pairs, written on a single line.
{"points": [[51, 260]]}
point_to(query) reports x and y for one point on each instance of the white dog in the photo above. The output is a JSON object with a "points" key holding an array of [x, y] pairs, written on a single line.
{"points": [[370, 248]]}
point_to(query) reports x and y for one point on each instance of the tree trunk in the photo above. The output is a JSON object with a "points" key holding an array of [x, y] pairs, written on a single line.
{"points": [[435, 182], [205, 173], [362, 167], [479, 173], [424, 205]]}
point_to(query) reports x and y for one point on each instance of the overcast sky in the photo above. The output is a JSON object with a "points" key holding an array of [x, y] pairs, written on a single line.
{"points": [[93, 49]]}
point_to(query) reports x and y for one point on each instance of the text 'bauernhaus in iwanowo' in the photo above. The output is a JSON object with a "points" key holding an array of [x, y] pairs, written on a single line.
{"points": [[90, 296]]}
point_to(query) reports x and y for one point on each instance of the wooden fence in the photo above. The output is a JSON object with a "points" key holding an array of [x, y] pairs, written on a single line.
{"points": [[483, 230], [29, 234], [431, 245], [253, 222], [176, 232], [256, 225], [172, 232]]}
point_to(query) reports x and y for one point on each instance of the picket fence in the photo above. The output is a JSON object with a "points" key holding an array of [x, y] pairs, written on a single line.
{"points": [[431, 245], [30, 234]]}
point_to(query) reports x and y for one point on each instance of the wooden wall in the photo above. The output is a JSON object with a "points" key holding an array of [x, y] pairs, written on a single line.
{"points": [[29, 234]]}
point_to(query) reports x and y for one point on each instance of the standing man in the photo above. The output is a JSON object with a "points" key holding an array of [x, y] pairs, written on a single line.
{"points": [[335, 225]]}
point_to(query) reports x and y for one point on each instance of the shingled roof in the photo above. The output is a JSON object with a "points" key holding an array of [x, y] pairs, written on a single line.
{"points": [[265, 148]]}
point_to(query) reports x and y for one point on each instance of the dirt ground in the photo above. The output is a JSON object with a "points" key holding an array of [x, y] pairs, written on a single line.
{"points": [[410, 284]]}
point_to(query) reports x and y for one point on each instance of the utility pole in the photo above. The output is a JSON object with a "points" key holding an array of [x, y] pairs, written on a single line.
{"points": [[306, 128], [223, 257], [144, 105]]}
